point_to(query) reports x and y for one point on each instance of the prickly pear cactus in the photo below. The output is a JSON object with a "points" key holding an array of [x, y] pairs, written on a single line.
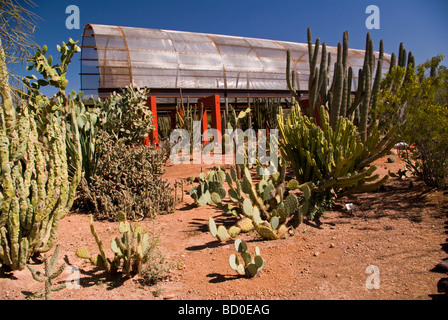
{"points": [[270, 199], [130, 250], [210, 188], [251, 266]]}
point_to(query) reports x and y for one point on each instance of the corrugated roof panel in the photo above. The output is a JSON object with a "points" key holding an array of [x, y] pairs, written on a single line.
{"points": [[185, 60]]}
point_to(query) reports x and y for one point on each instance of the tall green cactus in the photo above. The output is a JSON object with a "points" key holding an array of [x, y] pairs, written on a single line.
{"points": [[337, 96], [334, 144], [36, 190]]}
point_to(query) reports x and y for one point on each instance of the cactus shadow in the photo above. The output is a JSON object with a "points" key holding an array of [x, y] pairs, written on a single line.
{"points": [[210, 244], [96, 276], [219, 278], [187, 207]]}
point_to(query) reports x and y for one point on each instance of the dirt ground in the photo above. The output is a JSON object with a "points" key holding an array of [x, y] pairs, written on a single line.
{"points": [[402, 230]]}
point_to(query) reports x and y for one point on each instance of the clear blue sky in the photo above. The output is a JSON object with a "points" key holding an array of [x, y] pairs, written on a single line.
{"points": [[421, 25]]}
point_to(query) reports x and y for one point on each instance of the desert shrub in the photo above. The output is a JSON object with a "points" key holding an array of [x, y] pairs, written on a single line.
{"points": [[416, 99], [127, 178], [429, 157], [120, 173], [125, 115]]}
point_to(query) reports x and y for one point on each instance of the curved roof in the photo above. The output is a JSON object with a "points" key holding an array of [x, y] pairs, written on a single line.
{"points": [[114, 57]]}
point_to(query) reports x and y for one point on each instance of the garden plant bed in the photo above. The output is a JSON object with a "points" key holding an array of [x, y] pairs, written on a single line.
{"points": [[401, 229]]}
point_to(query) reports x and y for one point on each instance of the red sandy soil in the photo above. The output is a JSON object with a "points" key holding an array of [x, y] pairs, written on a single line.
{"points": [[400, 229]]}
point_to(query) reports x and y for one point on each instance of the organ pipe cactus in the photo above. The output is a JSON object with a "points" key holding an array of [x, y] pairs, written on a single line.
{"points": [[337, 95], [36, 190]]}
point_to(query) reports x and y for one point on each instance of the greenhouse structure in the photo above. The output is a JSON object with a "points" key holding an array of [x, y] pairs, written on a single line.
{"points": [[204, 68]]}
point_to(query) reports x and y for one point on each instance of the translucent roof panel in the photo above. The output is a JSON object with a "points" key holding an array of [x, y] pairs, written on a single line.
{"points": [[114, 57]]}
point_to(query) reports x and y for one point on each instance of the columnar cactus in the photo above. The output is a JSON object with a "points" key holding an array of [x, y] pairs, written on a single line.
{"points": [[36, 190], [336, 96]]}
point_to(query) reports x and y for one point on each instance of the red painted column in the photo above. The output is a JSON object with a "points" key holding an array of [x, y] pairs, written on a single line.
{"points": [[214, 103], [154, 134], [204, 124]]}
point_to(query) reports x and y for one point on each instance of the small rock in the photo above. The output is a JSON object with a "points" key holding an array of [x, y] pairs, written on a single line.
{"points": [[331, 245], [316, 253], [168, 297]]}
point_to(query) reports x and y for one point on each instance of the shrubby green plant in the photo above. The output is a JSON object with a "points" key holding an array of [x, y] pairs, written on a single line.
{"points": [[416, 98], [128, 179], [120, 173]]}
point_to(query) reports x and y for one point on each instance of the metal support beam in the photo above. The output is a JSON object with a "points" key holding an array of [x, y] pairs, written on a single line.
{"points": [[213, 103], [154, 134]]}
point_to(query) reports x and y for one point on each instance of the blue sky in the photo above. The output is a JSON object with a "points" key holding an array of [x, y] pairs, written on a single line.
{"points": [[421, 25]]}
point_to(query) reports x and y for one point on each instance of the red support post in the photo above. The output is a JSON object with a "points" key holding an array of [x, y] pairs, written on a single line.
{"points": [[204, 125], [305, 103], [154, 134], [214, 103]]}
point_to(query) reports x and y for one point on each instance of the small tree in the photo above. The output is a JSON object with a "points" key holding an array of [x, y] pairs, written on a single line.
{"points": [[417, 99]]}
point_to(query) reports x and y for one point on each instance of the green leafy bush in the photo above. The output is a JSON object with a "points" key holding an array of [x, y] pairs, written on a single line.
{"points": [[417, 100]]}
